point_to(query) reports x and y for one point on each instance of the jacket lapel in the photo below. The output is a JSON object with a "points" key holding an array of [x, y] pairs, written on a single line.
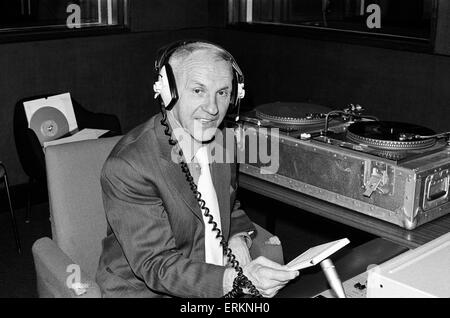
{"points": [[175, 177]]}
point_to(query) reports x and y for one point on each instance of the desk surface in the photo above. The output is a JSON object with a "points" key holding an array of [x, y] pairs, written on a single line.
{"points": [[391, 232]]}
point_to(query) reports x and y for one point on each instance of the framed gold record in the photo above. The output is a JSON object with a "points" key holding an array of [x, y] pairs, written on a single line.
{"points": [[48, 123]]}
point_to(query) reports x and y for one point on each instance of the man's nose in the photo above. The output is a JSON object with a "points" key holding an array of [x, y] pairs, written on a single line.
{"points": [[211, 106]]}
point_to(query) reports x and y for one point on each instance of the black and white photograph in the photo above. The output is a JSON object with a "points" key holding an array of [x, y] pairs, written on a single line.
{"points": [[229, 156]]}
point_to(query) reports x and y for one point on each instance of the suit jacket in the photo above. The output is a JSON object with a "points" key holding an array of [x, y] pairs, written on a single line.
{"points": [[155, 234]]}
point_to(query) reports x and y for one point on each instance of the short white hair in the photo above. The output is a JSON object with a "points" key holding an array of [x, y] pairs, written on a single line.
{"points": [[184, 51]]}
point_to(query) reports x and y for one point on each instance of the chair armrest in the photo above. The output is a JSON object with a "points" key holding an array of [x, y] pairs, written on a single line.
{"points": [[51, 265], [266, 244]]}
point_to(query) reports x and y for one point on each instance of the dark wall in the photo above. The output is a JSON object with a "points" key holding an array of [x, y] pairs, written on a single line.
{"points": [[111, 73], [162, 15], [391, 84]]}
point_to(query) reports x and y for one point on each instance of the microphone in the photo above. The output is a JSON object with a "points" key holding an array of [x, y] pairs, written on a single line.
{"points": [[333, 278]]}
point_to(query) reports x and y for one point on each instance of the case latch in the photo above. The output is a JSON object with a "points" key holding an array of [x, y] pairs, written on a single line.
{"points": [[377, 179]]}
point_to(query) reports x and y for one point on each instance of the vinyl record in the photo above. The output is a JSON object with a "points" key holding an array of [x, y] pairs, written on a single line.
{"points": [[48, 123], [388, 135]]}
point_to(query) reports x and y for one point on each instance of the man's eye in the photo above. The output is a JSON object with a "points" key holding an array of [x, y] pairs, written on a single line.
{"points": [[223, 93], [197, 90]]}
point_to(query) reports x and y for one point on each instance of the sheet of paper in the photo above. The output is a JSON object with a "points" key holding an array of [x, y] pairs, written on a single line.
{"points": [[84, 134], [316, 254]]}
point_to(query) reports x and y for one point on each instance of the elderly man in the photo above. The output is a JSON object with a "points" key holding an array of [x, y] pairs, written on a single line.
{"points": [[163, 221]]}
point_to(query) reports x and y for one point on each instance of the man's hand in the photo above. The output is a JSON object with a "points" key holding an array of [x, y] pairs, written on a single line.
{"points": [[267, 276]]}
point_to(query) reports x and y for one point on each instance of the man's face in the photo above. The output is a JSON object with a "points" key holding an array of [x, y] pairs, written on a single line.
{"points": [[204, 86]]}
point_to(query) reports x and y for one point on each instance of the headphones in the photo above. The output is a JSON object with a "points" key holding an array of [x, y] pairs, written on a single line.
{"points": [[165, 86]]}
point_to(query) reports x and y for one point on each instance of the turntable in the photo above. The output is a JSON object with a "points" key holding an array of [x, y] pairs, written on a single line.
{"points": [[396, 141], [291, 118], [292, 115], [394, 171]]}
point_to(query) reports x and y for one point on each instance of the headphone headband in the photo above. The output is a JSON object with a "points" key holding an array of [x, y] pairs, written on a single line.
{"points": [[165, 85]]}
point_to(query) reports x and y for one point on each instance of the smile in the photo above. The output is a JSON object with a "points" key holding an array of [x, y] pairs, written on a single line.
{"points": [[206, 121]]}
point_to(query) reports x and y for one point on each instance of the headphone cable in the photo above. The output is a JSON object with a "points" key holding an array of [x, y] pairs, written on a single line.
{"points": [[241, 281]]}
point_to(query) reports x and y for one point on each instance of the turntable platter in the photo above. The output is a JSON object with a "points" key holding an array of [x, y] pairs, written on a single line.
{"points": [[389, 135], [292, 114]]}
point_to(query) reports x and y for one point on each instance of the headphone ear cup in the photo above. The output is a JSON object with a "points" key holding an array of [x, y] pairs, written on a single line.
{"points": [[237, 93], [165, 93], [241, 91]]}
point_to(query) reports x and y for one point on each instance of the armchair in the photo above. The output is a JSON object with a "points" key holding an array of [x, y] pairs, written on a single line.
{"points": [[78, 219], [29, 148]]}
